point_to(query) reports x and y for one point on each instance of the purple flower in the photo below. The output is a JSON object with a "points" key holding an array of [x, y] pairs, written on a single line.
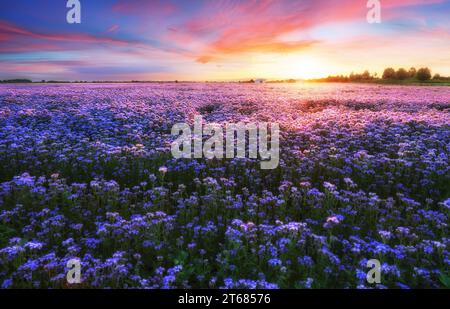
{"points": [[274, 262], [34, 245], [7, 283], [333, 221]]}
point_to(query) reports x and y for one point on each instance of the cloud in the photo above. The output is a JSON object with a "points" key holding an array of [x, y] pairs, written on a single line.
{"points": [[204, 59], [235, 35], [20, 39], [113, 28], [31, 67], [139, 7], [223, 27], [400, 3]]}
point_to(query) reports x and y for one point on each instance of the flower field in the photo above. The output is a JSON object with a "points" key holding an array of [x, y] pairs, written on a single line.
{"points": [[86, 172]]}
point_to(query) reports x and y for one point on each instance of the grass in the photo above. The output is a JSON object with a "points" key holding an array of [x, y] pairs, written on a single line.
{"points": [[412, 82]]}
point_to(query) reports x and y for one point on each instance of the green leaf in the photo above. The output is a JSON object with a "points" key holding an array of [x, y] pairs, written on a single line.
{"points": [[445, 280], [6, 234]]}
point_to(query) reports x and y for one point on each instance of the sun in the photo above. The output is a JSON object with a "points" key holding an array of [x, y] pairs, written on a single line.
{"points": [[295, 66], [307, 67]]}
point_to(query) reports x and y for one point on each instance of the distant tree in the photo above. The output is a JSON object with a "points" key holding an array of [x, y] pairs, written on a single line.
{"points": [[15, 81], [423, 74], [402, 74], [436, 76], [389, 73], [412, 72], [366, 75]]}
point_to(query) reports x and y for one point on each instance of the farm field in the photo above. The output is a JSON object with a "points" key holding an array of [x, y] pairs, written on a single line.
{"points": [[86, 172]]}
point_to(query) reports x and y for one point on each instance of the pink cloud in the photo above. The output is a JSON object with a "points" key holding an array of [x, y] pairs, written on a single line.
{"points": [[251, 26], [225, 27], [26, 47], [28, 68], [113, 28], [21, 39], [399, 3]]}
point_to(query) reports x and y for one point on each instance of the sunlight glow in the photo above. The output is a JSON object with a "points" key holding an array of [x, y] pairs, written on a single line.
{"points": [[296, 66]]}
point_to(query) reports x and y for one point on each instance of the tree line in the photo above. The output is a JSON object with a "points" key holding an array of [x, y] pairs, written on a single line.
{"points": [[389, 74], [8, 81]]}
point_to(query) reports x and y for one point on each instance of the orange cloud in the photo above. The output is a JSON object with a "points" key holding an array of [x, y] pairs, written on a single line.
{"points": [[204, 59]]}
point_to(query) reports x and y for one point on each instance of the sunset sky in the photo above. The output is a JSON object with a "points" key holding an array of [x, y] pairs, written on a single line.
{"points": [[219, 39]]}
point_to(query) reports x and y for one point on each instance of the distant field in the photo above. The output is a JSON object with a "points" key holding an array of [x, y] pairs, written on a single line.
{"points": [[407, 82], [416, 82], [364, 174]]}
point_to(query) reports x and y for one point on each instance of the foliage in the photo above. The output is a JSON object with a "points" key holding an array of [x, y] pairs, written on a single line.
{"points": [[423, 74]]}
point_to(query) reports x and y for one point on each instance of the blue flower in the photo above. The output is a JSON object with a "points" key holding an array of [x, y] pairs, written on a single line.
{"points": [[7, 283], [274, 262]]}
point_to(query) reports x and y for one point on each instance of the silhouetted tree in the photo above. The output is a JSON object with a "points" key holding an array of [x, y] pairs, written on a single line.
{"points": [[436, 76], [20, 80], [402, 74], [389, 73], [412, 72], [423, 74], [366, 75]]}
